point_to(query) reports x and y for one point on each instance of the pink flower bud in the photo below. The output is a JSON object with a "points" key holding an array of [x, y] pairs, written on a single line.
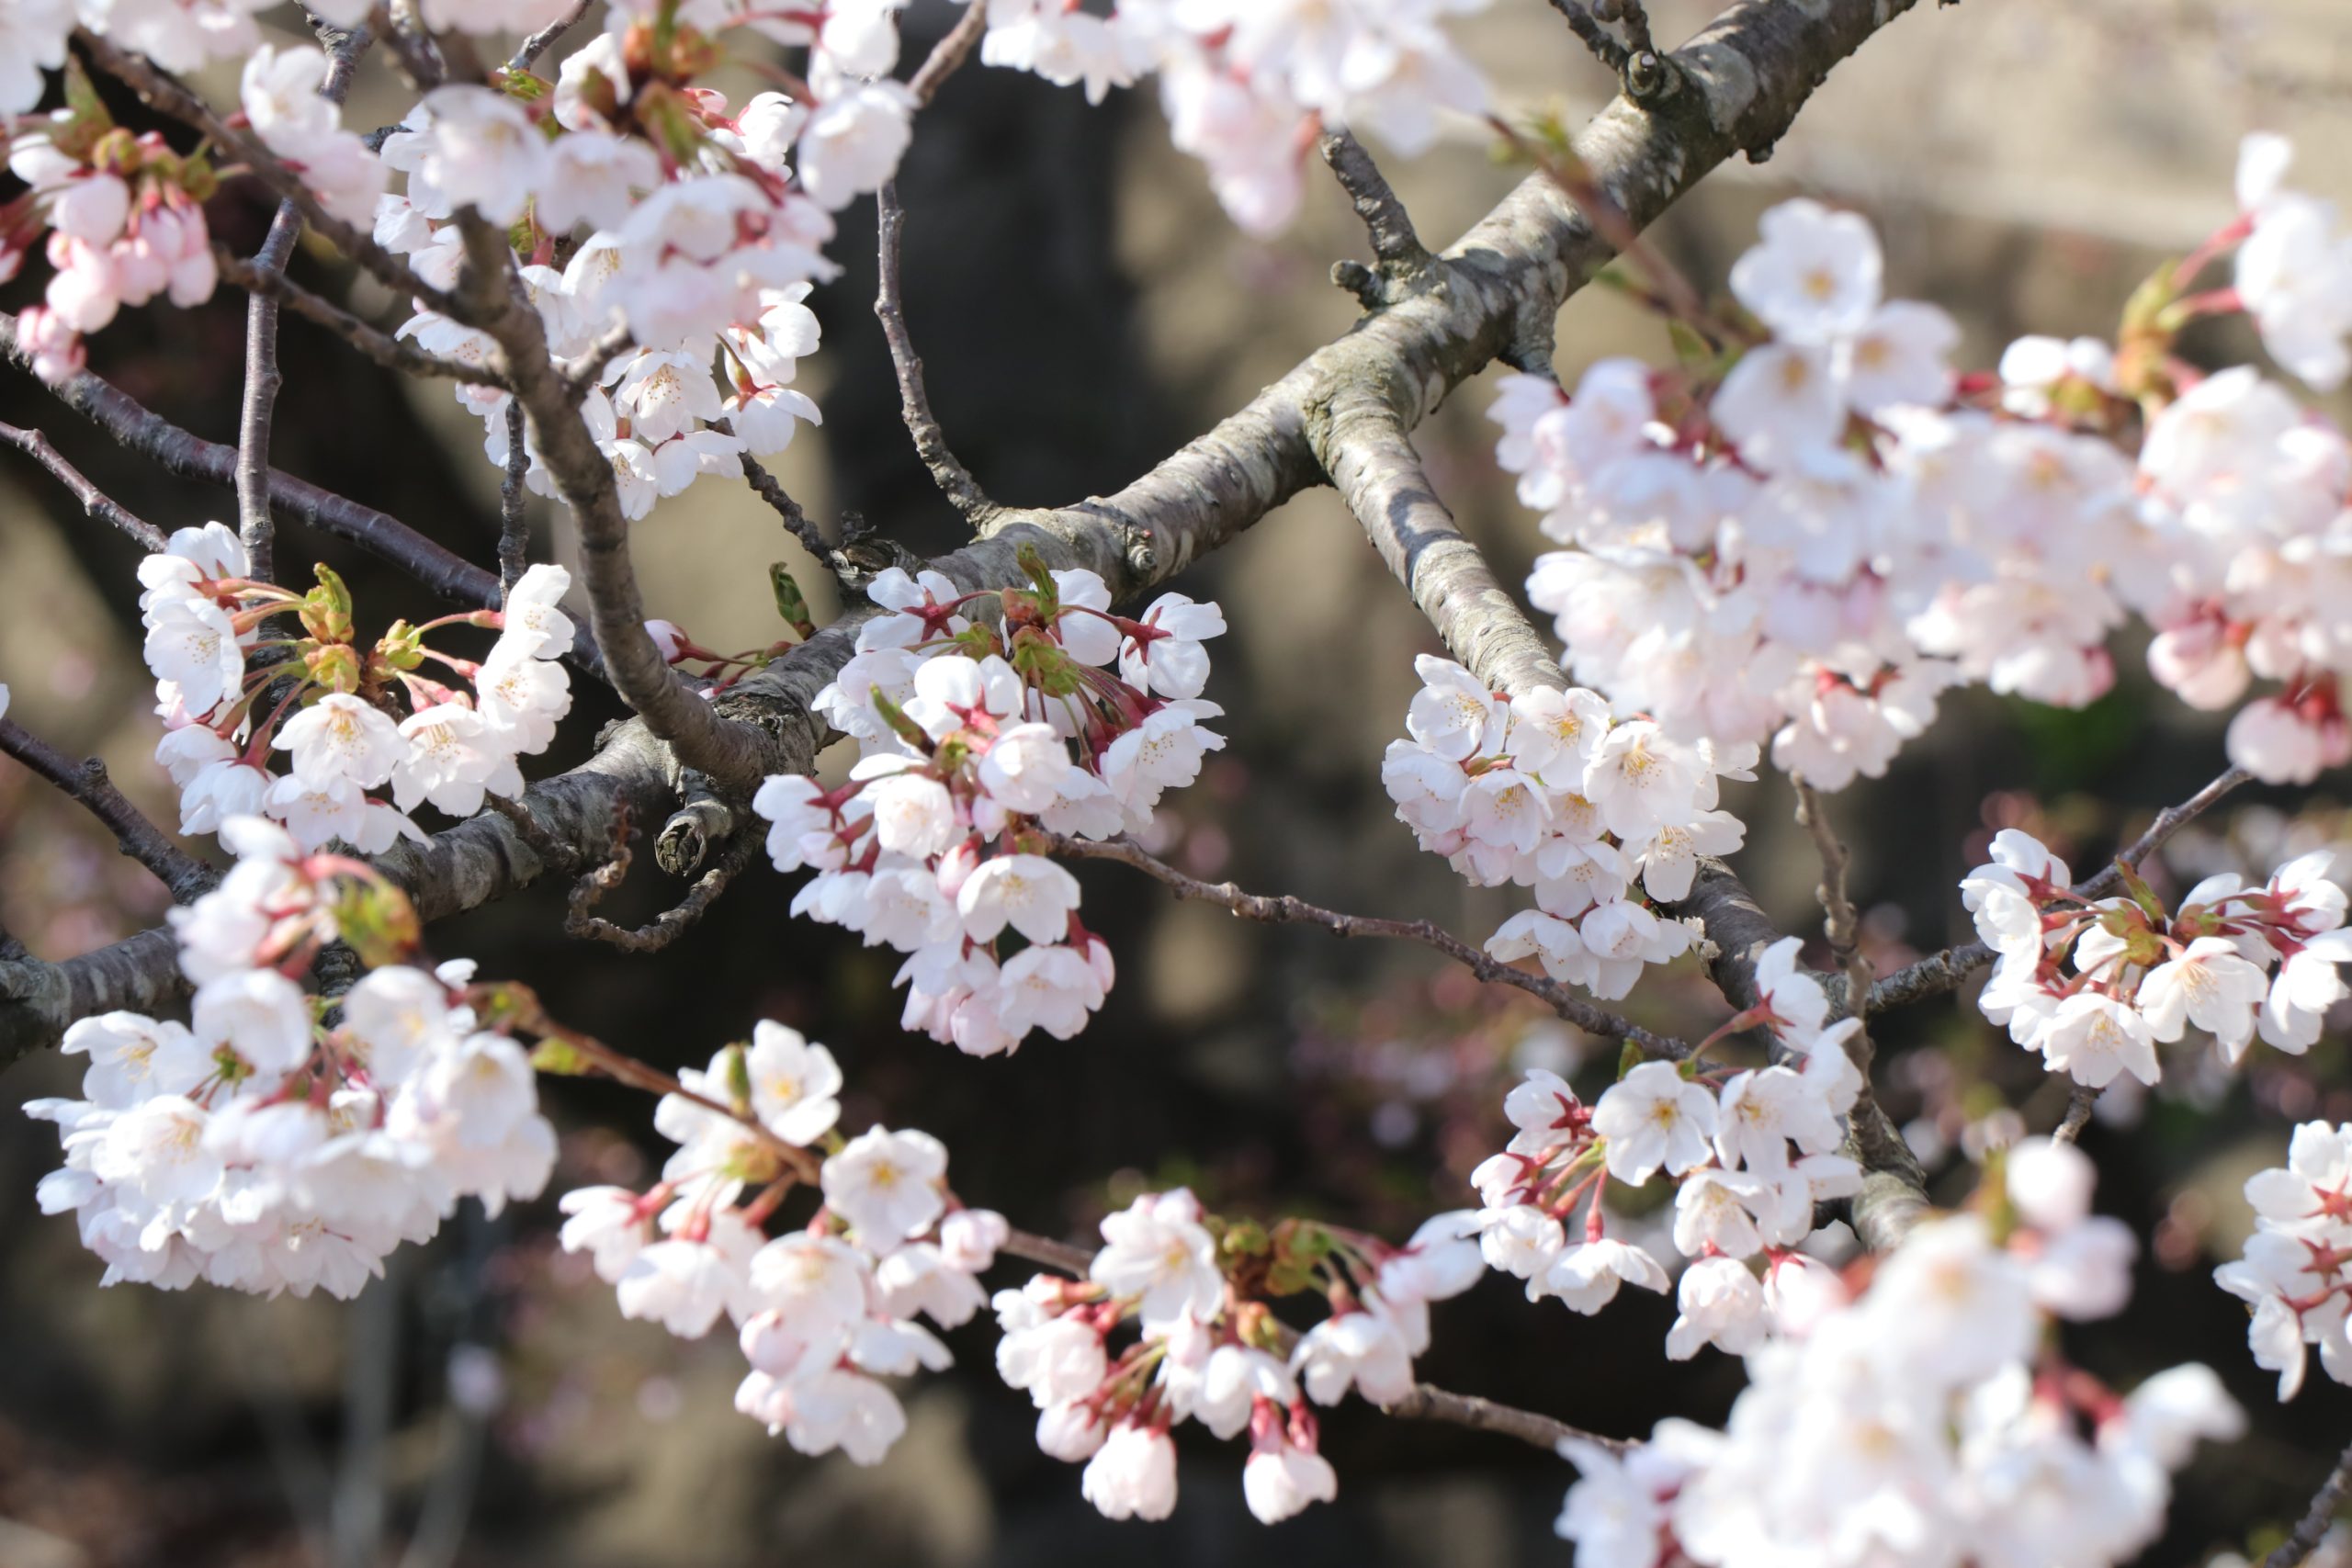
{"points": [[669, 638]]}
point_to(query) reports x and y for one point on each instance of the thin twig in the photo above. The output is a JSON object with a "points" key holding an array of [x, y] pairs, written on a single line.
{"points": [[147, 434], [551, 851], [256, 526], [1630, 14], [94, 502], [949, 54], [412, 43], [540, 42], [272, 288], [668, 926], [955, 480], [514, 532], [1425, 1402], [2325, 1504], [1840, 923], [588, 367], [1941, 972], [1430, 1403], [87, 782], [1288, 910], [1601, 43], [797, 523], [2079, 1101], [521, 1005]]}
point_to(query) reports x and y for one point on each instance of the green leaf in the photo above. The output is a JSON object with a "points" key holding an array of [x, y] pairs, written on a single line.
{"points": [[789, 602], [560, 1060]]}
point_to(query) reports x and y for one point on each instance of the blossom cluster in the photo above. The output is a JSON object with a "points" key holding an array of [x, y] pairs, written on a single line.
{"points": [[182, 35], [706, 265], [1544, 790], [1210, 1352], [124, 216], [1751, 1153], [261, 1147], [2293, 1277], [231, 696], [1923, 1420], [2097, 985], [825, 1311], [1809, 535], [973, 737], [637, 198], [1246, 85]]}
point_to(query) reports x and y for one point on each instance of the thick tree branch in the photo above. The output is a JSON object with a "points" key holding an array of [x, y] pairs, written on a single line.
{"points": [[1363, 443], [955, 480], [37, 1000], [704, 739], [94, 502], [87, 782], [1288, 910], [190, 456], [1748, 74]]}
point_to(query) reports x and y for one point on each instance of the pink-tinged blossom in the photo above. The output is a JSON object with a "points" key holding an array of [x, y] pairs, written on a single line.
{"points": [[1157, 1250], [1133, 1475], [886, 1185], [1654, 1117]]}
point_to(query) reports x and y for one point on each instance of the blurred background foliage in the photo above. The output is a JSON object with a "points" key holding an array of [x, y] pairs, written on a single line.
{"points": [[1083, 308]]}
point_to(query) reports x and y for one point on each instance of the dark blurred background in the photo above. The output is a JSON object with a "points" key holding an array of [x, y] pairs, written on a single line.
{"points": [[1083, 308]]}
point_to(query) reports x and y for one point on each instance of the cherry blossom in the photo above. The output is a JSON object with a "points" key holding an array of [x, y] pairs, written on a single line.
{"points": [[260, 1151]]}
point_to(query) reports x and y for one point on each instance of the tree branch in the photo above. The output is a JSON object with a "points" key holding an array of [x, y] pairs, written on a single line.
{"points": [[1840, 922], [1288, 910], [2325, 1504], [540, 42], [255, 527], [1941, 972], [955, 480], [948, 55], [1747, 74], [177, 452], [1403, 261], [94, 502], [513, 533], [735, 752], [1893, 1197], [1362, 443], [87, 782], [271, 288], [1427, 1402], [664, 928], [2080, 1100]]}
